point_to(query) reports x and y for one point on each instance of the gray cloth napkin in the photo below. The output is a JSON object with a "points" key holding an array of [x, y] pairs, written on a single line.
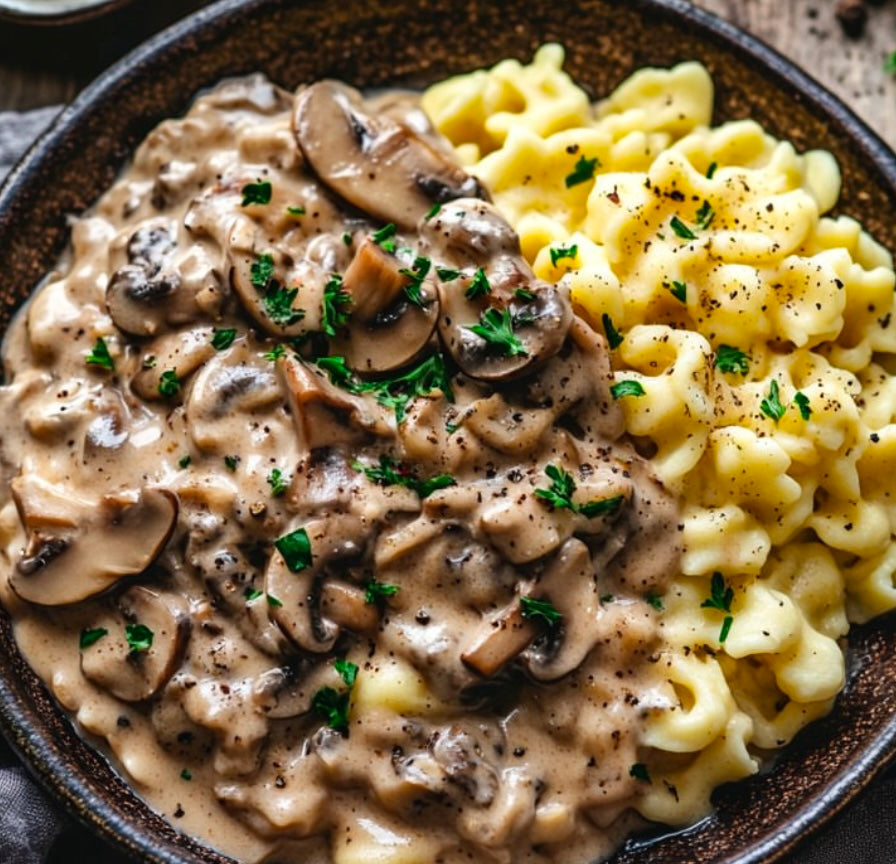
{"points": [[29, 823]]}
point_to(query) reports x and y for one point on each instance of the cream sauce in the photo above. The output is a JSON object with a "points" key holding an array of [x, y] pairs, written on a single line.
{"points": [[477, 727]]}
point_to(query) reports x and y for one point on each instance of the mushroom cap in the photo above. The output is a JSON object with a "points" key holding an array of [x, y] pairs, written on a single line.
{"points": [[114, 665], [119, 537], [381, 167]]}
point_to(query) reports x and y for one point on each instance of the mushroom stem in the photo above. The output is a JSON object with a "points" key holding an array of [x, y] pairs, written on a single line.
{"points": [[499, 639]]}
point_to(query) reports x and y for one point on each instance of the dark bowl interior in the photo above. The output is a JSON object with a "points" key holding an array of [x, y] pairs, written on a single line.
{"points": [[374, 43]]}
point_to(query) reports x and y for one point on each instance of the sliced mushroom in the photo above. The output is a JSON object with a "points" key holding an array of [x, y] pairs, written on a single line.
{"points": [[469, 231], [374, 163], [499, 639], [181, 352], [137, 673], [571, 584], [386, 330], [294, 596], [326, 415], [116, 537], [345, 604]]}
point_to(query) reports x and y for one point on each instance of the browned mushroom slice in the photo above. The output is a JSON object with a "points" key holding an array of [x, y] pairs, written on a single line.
{"points": [[499, 639], [118, 537], [326, 415], [570, 583], [374, 163], [470, 231], [346, 605], [181, 353], [144, 640], [388, 329], [293, 592]]}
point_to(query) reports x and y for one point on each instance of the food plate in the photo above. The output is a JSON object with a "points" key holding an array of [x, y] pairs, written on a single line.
{"points": [[399, 43], [56, 11]]}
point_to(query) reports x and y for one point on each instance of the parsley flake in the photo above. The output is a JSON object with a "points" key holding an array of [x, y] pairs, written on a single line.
{"points": [[278, 482], [496, 328], [261, 270], [720, 598], [654, 600], [384, 237], [681, 229], [639, 772], [582, 172], [231, 462], [222, 339], [185, 461], [389, 473], [524, 294], [375, 592], [711, 170], [169, 383], [335, 306], [679, 291], [186, 775], [447, 274], [479, 286], [801, 400], [347, 670], [540, 610], [295, 548], [704, 216], [559, 495], [614, 337], [100, 355], [278, 305], [256, 193], [91, 636], [626, 388], [139, 637], [333, 707], [730, 359], [557, 254], [295, 211], [771, 406], [433, 211], [273, 602], [252, 594], [417, 273], [278, 351], [890, 64]]}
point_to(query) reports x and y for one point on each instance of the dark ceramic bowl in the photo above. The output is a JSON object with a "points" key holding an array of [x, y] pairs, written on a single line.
{"points": [[374, 43]]}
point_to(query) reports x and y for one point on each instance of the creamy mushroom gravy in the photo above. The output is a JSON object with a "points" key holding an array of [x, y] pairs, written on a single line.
{"points": [[320, 498]]}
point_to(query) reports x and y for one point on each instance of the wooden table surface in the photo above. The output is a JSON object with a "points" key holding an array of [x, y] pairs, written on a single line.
{"points": [[44, 66]]}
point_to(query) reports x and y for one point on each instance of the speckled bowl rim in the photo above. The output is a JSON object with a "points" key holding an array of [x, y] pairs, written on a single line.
{"points": [[24, 721]]}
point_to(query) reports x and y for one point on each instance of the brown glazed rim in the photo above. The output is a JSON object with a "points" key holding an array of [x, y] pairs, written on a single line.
{"points": [[372, 42]]}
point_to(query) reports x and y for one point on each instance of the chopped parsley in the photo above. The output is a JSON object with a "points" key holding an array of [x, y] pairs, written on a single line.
{"points": [[479, 286], [890, 64], [185, 461], [252, 594], [801, 400], [720, 598], [186, 775], [614, 337], [169, 383], [296, 211], [557, 254], [231, 462], [332, 705], [559, 495], [335, 306], [222, 339], [654, 600], [730, 359], [681, 229], [395, 393], [295, 548], [261, 271], [150, 362], [139, 637], [711, 170], [639, 772], [100, 355], [278, 305], [582, 172], [433, 211], [375, 592], [540, 610], [417, 273], [447, 274], [91, 636], [496, 328], [679, 291], [347, 670], [389, 473], [626, 388], [384, 238], [256, 193], [278, 482], [771, 406], [704, 216], [346, 238], [524, 294], [273, 602], [278, 351]]}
